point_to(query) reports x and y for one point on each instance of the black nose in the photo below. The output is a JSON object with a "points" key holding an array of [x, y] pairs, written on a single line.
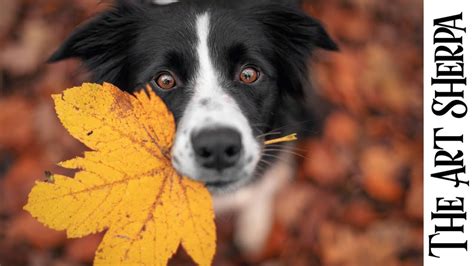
{"points": [[217, 148]]}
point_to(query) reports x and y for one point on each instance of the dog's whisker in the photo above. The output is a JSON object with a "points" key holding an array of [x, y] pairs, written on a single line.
{"points": [[271, 155], [283, 146], [293, 124], [258, 124], [297, 152], [297, 125], [286, 148], [287, 151], [259, 170], [268, 134], [265, 162], [278, 158], [273, 130]]}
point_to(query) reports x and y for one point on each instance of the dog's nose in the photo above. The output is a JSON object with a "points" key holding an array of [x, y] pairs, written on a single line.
{"points": [[217, 148]]}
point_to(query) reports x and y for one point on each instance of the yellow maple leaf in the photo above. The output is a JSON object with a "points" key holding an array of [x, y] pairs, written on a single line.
{"points": [[126, 185]]}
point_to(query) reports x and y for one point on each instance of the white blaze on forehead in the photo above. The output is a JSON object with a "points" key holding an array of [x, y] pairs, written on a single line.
{"points": [[206, 78], [220, 107], [211, 106]]}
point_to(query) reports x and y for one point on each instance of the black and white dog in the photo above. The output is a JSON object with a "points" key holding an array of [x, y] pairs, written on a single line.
{"points": [[232, 72]]}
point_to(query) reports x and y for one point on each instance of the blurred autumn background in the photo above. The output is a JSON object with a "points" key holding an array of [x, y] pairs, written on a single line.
{"points": [[357, 198]]}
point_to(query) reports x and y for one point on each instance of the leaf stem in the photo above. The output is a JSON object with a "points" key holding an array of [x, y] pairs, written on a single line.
{"points": [[291, 137]]}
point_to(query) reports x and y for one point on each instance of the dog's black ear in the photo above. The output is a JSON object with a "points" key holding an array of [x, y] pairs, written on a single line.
{"points": [[294, 36], [102, 42], [299, 31]]}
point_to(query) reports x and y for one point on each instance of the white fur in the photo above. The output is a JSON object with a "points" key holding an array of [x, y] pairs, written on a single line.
{"points": [[221, 110], [164, 2], [254, 205]]}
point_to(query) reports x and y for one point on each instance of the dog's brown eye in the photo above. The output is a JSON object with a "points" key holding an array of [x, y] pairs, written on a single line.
{"points": [[249, 75], [165, 81]]}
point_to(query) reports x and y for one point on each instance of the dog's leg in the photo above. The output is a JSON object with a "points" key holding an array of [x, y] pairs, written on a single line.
{"points": [[255, 219]]}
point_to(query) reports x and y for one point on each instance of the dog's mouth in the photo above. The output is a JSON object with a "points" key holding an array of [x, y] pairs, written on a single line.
{"points": [[219, 184]]}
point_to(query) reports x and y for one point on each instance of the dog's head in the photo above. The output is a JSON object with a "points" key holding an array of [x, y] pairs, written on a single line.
{"points": [[225, 73]]}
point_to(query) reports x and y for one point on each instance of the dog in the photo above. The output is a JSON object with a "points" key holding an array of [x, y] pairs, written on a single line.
{"points": [[233, 73]]}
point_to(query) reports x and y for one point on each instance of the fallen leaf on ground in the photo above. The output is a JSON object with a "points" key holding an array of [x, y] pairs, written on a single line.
{"points": [[126, 185]]}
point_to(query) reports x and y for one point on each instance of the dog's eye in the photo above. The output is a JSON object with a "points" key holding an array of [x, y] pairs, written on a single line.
{"points": [[165, 81], [249, 75]]}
